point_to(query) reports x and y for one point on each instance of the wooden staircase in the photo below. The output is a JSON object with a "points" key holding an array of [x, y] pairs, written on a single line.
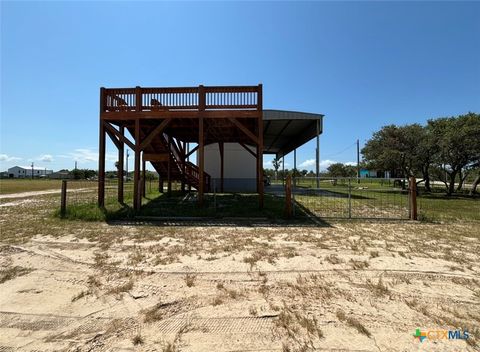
{"points": [[180, 169]]}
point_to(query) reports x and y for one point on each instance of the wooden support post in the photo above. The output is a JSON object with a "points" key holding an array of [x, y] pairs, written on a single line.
{"points": [[63, 200], [260, 146], [294, 167], [413, 198], [201, 143], [288, 197], [121, 150], [201, 164], [137, 197], [169, 168], [160, 183], [220, 147], [183, 153], [144, 180], [101, 166]]}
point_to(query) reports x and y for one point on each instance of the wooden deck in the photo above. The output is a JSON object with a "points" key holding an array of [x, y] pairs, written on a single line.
{"points": [[164, 121]]}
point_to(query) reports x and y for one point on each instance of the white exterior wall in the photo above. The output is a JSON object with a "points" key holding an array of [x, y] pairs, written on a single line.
{"points": [[22, 172], [239, 167]]}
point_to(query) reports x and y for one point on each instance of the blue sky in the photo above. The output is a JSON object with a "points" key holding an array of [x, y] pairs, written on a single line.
{"points": [[362, 64]]}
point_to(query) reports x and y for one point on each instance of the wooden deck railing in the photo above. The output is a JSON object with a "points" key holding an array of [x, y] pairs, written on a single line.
{"points": [[178, 99]]}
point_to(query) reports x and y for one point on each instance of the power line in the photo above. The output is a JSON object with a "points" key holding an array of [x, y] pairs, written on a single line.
{"points": [[342, 151]]}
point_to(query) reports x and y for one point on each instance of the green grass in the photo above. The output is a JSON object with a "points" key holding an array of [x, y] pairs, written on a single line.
{"points": [[9, 186], [179, 204], [376, 198], [369, 199]]}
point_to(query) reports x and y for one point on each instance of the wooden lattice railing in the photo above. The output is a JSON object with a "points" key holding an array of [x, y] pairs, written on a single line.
{"points": [[177, 99]]}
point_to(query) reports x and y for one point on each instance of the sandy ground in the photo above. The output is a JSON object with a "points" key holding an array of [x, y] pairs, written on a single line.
{"points": [[347, 286]]}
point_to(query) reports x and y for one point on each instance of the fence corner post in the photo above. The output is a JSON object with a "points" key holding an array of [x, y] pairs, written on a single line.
{"points": [[63, 200], [288, 197], [349, 197], [413, 198]]}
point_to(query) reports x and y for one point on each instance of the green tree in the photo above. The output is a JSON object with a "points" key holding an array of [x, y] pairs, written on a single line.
{"points": [[276, 162], [341, 170], [458, 143], [409, 148]]}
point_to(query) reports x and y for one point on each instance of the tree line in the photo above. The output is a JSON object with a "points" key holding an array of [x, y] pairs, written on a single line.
{"points": [[446, 149]]}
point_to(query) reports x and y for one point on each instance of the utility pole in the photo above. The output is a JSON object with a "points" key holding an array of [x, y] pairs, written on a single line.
{"points": [[358, 161], [126, 167], [75, 164], [32, 170]]}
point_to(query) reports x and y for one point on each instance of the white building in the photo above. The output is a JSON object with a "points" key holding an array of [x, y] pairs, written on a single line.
{"points": [[283, 133], [26, 172], [239, 170]]}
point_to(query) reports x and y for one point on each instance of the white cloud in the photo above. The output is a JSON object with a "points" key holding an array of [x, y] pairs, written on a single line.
{"points": [[5, 157], [308, 163], [46, 158], [86, 156], [324, 164]]}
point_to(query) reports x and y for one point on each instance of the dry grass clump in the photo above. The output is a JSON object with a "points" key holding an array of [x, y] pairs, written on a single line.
{"points": [[358, 264], [334, 259], [190, 279], [137, 340], [311, 286], [261, 255], [93, 281], [82, 294], [299, 327], [354, 323], [157, 311], [218, 300], [136, 257], [125, 287], [11, 272], [379, 289], [165, 260]]}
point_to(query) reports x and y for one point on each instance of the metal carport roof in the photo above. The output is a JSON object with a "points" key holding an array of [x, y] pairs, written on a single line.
{"points": [[284, 131]]}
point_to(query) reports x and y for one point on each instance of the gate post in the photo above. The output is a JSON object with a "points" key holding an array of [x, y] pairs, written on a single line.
{"points": [[412, 190], [349, 197], [63, 200], [288, 197]]}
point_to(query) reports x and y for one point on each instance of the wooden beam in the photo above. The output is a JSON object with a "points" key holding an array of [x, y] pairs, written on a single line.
{"points": [[260, 146], [191, 151], [137, 197], [101, 165], [248, 149], [154, 133], [201, 161], [121, 149], [244, 129], [156, 157], [120, 137], [144, 164], [179, 114], [169, 168], [221, 149], [113, 138]]}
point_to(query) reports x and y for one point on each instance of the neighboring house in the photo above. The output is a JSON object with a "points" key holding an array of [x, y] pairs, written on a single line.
{"points": [[26, 172], [365, 173]]}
